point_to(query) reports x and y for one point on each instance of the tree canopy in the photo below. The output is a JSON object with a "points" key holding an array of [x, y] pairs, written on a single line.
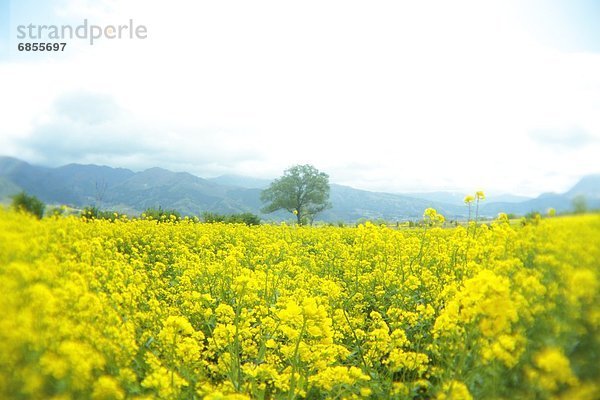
{"points": [[30, 204], [302, 190]]}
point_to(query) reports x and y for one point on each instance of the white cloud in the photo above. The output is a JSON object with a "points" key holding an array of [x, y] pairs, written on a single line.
{"points": [[386, 95]]}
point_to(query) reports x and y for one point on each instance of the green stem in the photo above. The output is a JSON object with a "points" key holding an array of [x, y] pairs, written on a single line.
{"points": [[360, 353], [295, 362]]}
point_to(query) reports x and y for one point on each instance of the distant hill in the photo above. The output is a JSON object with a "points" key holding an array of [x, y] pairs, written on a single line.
{"points": [[132, 192], [458, 198], [351, 204], [588, 186], [242, 181], [182, 191], [541, 204], [7, 189], [70, 184]]}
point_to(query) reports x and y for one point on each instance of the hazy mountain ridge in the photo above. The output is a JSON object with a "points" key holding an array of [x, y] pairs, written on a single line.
{"points": [[242, 181], [588, 186], [124, 190], [457, 198]]}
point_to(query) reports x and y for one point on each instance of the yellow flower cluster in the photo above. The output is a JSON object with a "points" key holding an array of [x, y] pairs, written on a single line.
{"points": [[131, 309]]}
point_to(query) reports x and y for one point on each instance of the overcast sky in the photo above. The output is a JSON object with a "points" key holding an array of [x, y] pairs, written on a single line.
{"points": [[382, 95]]}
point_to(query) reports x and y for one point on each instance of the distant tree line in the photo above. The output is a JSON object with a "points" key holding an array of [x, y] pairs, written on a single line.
{"points": [[23, 202], [243, 218], [310, 203], [161, 215]]}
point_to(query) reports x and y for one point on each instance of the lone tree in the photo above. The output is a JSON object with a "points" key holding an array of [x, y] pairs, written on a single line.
{"points": [[302, 190]]}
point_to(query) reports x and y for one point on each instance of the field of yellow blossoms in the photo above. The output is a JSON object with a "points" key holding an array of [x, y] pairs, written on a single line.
{"points": [[135, 309]]}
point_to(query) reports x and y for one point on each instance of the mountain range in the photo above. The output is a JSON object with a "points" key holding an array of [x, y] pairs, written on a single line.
{"points": [[132, 192]]}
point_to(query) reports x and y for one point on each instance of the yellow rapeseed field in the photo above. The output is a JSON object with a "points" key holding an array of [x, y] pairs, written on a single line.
{"points": [[135, 309]]}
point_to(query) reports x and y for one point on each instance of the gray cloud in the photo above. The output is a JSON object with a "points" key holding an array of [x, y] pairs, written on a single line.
{"points": [[573, 137], [93, 128], [87, 107]]}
